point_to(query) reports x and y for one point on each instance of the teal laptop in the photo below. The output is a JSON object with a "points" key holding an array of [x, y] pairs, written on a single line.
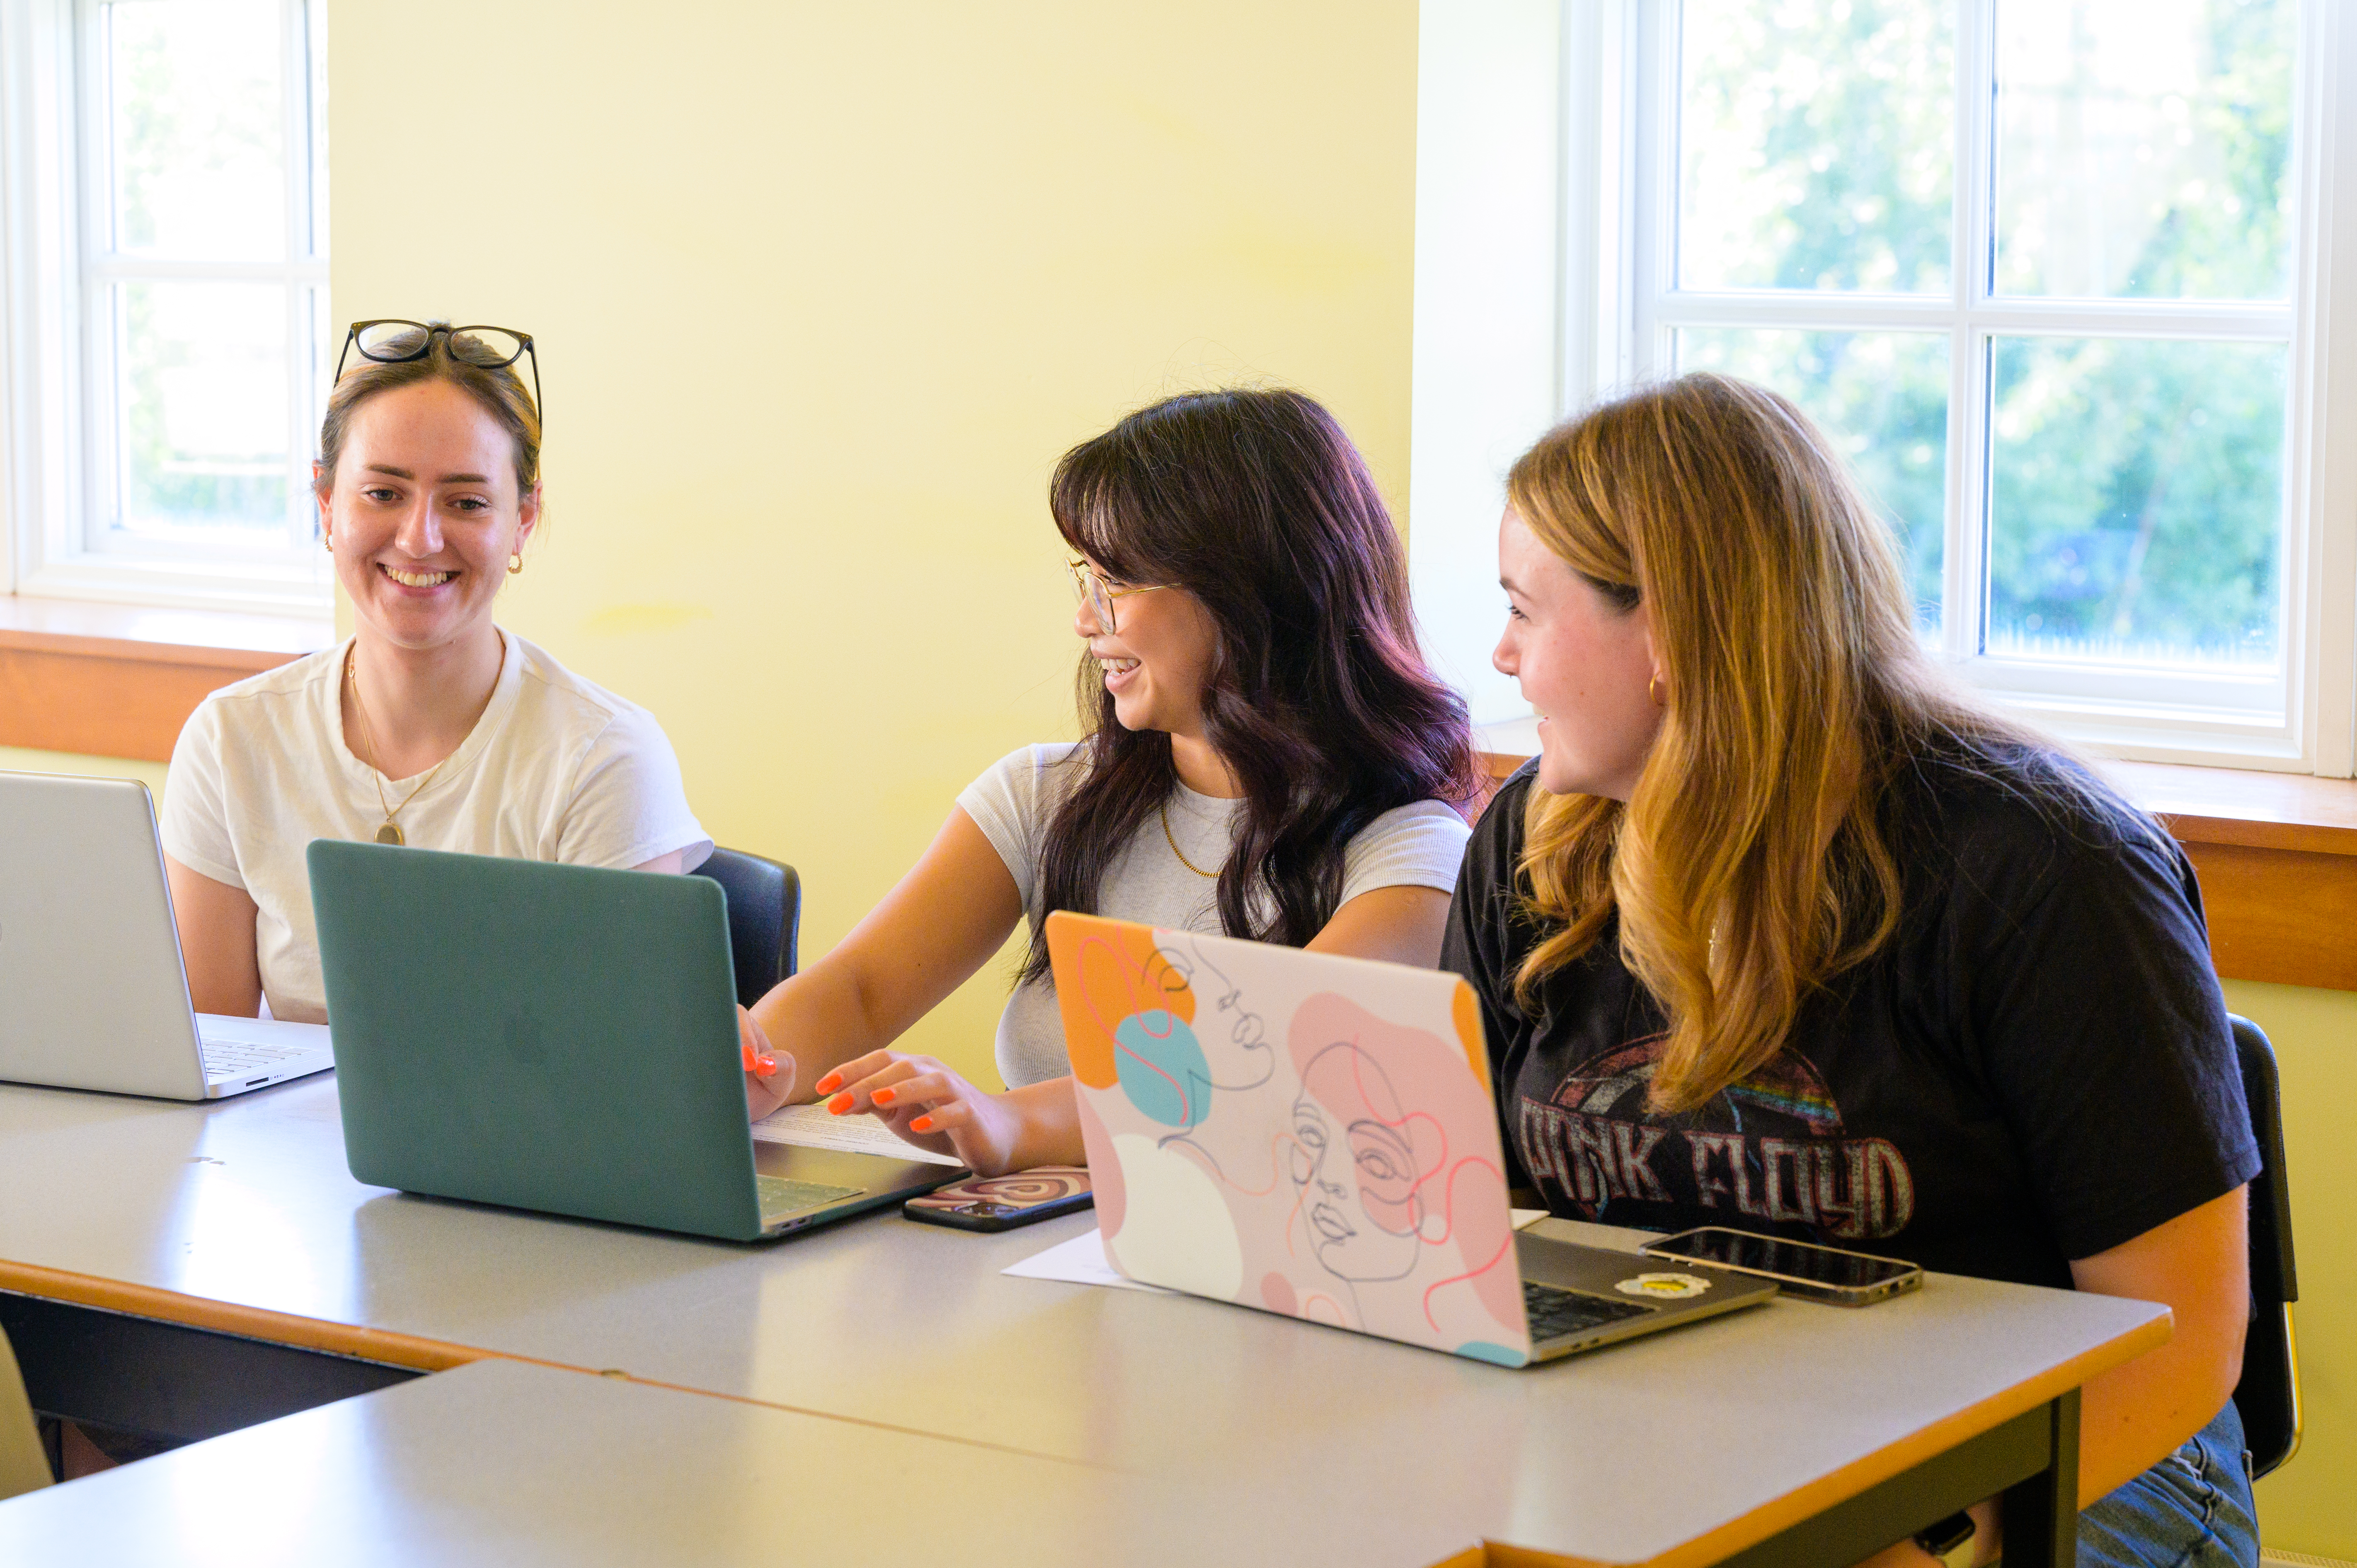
{"points": [[559, 1039]]}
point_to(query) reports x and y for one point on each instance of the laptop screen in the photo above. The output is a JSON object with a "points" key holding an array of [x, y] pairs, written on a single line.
{"points": [[1297, 1132]]}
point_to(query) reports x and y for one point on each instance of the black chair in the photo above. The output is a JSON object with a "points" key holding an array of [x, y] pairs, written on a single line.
{"points": [[765, 914], [2268, 1393]]}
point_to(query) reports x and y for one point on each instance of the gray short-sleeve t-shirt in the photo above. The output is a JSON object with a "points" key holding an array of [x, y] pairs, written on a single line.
{"points": [[1413, 846]]}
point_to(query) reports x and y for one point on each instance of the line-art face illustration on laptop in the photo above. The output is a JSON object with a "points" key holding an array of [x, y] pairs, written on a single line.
{"points": [[1313, 1136]]}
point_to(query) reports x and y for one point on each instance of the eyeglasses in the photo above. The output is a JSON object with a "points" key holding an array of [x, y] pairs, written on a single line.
{"points": [[391, 341], [1091, 588]]}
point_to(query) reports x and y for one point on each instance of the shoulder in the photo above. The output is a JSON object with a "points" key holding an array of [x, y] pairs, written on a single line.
{"points": [[558, 708], [1988, 807], [1030, 774], [261, 703], [1420, 824], [2017, 827], [1497, 835]]}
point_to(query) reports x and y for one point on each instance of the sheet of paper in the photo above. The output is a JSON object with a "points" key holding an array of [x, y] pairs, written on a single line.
{"points": [[1526, 1218], [1080, 1262], [812, 1127]]}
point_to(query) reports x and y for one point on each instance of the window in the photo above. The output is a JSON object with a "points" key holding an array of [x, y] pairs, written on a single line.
{"points": [[166, 250], [2050, 272]]}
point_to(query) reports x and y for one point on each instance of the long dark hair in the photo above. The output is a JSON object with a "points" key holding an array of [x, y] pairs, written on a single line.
{"points": [[1257, 504]]}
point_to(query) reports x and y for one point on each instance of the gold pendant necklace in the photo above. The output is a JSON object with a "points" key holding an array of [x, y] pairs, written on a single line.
{"points": [[390, 831], [1174, 844]]}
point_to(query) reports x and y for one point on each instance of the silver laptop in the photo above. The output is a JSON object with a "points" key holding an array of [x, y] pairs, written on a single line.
{"points": [[93, 994], [1314, 1136]]}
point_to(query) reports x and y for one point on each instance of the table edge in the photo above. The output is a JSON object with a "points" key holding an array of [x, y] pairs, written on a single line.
{"points": [[388, 1347], [1748, 1529], [378, 1345]]}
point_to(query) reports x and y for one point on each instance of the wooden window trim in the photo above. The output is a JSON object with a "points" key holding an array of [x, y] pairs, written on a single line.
{"points": [[121, 680], [2277, 855]]}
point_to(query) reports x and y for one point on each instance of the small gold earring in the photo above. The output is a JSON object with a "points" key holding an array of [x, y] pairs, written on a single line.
{"points": [[515, 563], [1653, 690]]}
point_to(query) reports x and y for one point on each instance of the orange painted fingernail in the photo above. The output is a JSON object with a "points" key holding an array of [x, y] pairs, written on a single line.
{"points": [[882, 1097], [828, 1084], [921, 1125], [839, 1104]]}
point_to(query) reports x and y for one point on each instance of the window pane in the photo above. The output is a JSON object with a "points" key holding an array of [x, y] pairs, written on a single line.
{"points": [[200, 426], [2142, 147], [1882, 399], [2136, 510], [194, 111], [1816, 145]]}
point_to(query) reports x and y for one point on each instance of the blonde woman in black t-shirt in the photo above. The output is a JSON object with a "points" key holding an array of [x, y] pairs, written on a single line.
{"points": [[1781, 931]]}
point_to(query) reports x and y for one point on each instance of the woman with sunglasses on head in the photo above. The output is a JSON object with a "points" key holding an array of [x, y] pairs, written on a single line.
{"points": [[1782, 931], [1266, 756], [430, 725]]}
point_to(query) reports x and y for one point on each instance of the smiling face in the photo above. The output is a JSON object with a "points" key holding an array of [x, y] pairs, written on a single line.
{"points": [[1585, 662], [1157, 666], [424, 514]]}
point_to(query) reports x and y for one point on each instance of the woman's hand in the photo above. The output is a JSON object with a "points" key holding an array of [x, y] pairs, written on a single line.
{"points": [[932, 1106], [768, 1078]]}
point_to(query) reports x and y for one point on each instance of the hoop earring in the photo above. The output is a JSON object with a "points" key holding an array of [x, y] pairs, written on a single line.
{"points": [[515, 563], [1653, 690]]}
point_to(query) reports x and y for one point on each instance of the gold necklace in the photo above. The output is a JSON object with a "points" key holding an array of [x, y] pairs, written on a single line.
{"points": [[1174, 844], [390, 832]]}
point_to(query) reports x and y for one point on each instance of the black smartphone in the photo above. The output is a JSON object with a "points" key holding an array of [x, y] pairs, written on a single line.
{"points": [[1003, 1202], [1799, 1268]]}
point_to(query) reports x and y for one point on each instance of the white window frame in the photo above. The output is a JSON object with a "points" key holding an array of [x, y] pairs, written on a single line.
{"points": [[55, 275], [1598, 191]]}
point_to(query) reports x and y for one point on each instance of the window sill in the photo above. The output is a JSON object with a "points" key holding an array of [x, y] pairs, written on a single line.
{"points": [[2276, 853], [121, 680]]}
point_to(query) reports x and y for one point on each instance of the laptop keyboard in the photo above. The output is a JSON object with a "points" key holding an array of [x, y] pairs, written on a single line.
{"points": [[782, 1197], [1555, 1313], [239, 1059]]}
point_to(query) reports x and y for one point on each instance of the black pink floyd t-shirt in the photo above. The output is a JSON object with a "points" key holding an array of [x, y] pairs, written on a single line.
{"points": [[2037, 1068]]}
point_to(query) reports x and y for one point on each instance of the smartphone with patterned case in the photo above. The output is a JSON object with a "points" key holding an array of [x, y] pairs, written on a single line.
{"points": [[1004, 1202]]}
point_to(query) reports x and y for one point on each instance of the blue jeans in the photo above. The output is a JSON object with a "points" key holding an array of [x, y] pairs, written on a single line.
{"points": [[2191, 1510]]}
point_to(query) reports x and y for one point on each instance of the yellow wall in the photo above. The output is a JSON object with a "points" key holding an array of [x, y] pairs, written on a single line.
{"points": [[2311, 1505], [822, 290], [16, 759]]}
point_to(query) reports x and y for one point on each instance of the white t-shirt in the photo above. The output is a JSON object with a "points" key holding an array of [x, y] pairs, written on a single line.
{"points": [[555, 769], [1412, 846]]}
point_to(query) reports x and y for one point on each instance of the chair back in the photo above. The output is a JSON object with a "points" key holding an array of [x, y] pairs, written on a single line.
{"points": [[2268, 1394], [23, 1463], [765, 917]]}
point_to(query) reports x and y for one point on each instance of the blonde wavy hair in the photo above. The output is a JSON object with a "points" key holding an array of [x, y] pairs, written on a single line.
{"points": [[1750, 865]]}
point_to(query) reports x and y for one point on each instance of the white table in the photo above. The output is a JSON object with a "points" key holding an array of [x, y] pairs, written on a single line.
{"points": [[1684, 1447]]}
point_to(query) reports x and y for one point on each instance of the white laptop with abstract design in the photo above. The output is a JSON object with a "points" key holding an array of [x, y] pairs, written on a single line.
{"points": [[1314, 1136]]}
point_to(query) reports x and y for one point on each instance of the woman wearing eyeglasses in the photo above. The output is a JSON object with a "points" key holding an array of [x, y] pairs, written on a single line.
{"points": [[1266, 756], [430, 725]]}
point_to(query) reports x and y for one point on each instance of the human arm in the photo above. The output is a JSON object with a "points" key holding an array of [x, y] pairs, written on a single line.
{"points": [[2197, 1265], [2113, 1058], [1398, 925], [2132, 1417], [931, 1103], [670, 864], [217, 943], [939, 924]]}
